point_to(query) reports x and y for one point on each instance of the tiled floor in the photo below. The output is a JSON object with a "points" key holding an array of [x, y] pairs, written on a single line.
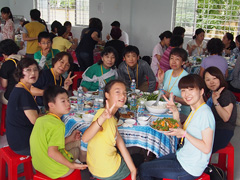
{"points": [[235, 142]]}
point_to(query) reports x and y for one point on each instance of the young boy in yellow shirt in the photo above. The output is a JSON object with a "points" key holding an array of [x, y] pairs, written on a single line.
{"points": [[47, 141]]}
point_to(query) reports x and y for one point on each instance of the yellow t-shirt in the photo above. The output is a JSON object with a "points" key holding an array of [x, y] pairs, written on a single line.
{"points": [[33, 29], [102, 157], [61, 44]]}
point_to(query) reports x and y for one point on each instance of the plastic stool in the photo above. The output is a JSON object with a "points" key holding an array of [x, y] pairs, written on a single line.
{"points": [[13, 160], [3, 119], [75, 80], [127, 178], [229, 167], [237, 95], [204, 176], [76, 174]]}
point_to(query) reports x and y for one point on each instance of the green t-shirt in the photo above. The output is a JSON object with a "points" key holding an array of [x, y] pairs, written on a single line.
{"points": [[50, 55], [95, 70], [47, 131]]}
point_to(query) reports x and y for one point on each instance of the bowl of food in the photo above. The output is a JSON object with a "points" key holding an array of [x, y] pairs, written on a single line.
{"points": [[88, 118], [163, 124], [159, 109], [142, 120]]}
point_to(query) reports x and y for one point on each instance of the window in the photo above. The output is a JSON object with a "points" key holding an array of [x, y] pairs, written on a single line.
{"points": [[216, 17], [75, 11]]}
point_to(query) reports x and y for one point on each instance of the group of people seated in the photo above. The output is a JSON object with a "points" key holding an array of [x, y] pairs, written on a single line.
{"points": [[206, 120]]}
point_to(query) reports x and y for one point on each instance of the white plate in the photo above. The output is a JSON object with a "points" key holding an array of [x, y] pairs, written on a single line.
{"points": [[130, 121]]}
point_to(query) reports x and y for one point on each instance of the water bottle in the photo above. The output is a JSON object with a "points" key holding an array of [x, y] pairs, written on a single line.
{"points": [[96, 105], [194, 60], [133, 85], [80, 100], [141, 108], [161, 89], [101, 85], [133, 103], [232, 59]]}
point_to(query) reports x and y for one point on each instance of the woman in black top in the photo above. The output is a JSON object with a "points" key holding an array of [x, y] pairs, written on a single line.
{"points": [[223, 105], [22, 110], [84, 50], [9, 50]]}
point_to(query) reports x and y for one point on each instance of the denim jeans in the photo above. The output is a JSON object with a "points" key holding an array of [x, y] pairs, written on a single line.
{"points": [[85, 60], [164, 167]]}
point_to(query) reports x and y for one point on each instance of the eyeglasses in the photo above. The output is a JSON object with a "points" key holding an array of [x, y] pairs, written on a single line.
{"points": [[29, 70], [46, 43]]}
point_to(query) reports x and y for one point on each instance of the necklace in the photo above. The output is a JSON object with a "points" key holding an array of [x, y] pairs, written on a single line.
{"points": [[169, 90], [13, 60], [185, 125], [54, 116], [102, 73], [25, 87], [46, 57], [55, 82], [131, 78]]}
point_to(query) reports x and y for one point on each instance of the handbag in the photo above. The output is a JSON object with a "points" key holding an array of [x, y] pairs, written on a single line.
{"points": [[215, 172]]}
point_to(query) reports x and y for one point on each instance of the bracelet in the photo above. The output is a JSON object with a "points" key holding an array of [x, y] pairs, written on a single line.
{"points": [[184, 134], [217, 104], [98, 123]]}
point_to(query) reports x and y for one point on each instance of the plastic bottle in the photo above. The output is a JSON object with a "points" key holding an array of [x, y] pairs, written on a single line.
{"points": [[96, 104], [232, 59], [100, 89], [80, 100], [194, 60], [141, 108], [133, 103], [161, 89], [133, 85]]}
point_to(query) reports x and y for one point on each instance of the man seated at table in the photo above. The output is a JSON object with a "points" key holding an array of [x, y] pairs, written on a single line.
{"points": [[45, 55], [47, 142], [135, 68]]}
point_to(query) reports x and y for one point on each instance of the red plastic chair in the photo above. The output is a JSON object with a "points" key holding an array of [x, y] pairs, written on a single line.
{"points": [[204, 176], [7, 156], [127, 178], [3, 120], [226, 154], [76, 174], [75, 80], [237, 95]]}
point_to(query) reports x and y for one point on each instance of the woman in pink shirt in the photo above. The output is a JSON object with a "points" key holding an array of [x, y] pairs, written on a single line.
{"points": [[159, 50], [8, 28]]}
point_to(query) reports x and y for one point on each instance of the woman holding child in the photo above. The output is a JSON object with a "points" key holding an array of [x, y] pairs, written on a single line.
{"points": [[103, 71], [171, 78], [192, 158], [223, 105], [22, 110], [103, 160]]}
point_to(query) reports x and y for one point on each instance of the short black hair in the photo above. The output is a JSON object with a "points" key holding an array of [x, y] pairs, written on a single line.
{"points": [[197, 32], [176, 41], [166, 34], [116, 24], [67, 23], [8, 47], [116, 33], [55, 24], [60, 55], [178, 31], [215, 46], [191, 81], [96, 23], [238, 38], [35, 14], [23, 63], [44, 35], [130, 49], [50, 94], [182, 53], [61, 30]]}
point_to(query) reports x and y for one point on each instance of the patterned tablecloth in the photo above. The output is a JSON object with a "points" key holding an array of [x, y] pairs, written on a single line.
{"points": [[140, 136]]}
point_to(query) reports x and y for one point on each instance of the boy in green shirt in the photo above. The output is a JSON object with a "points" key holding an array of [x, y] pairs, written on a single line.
{"points": [[47, 142], [45, 55]]}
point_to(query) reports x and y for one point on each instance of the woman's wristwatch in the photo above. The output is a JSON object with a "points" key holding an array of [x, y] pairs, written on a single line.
{"points": [[217, 104]]}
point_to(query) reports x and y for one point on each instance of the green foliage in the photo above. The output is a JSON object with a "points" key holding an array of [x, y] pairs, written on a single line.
{"points": [[63, 3]]}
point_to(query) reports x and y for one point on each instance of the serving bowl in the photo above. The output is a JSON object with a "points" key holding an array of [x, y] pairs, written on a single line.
{"points": [[143, 120], [160, 109]]}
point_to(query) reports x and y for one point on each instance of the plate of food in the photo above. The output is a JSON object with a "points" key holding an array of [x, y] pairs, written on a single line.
{"points": [[127, 115], [163, 124]]}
